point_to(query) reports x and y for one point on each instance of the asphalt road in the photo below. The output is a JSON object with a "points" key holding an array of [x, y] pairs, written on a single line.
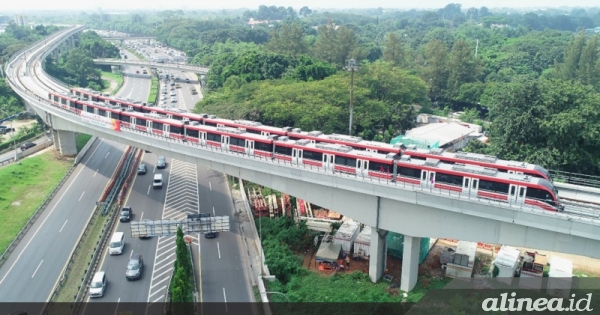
{"points": [[35, 265], [224, 276], [11, 154], [146, 203]]}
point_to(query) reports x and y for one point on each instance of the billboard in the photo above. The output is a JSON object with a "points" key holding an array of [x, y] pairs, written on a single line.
{"points": [[101, 121]]}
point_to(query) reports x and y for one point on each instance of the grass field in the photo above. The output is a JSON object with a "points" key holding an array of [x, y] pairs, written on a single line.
{"points": [[113, 77], [153, 91], [22, 190], [81, 140]]}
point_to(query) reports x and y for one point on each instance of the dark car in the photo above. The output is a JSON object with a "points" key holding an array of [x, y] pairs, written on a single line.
{"points": [[162, 162], [211, 234], [134, 267], [27, 146], [126, 213], [142, 169]]}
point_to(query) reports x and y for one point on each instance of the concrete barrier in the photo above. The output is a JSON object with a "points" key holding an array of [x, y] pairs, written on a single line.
{"points": [[37, 148], [85, 149]]}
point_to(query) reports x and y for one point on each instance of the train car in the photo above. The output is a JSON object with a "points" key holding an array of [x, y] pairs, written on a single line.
{"points": [[63, 100], [230, 139], [356, 143], [511, 167], [153, 124], [481, 182], [249, 126]]}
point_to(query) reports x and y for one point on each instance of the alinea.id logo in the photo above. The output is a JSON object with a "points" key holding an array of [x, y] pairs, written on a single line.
{"points": [[503, 303]]}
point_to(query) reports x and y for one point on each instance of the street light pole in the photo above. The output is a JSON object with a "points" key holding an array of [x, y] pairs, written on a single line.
{"points": [[351, 67]]}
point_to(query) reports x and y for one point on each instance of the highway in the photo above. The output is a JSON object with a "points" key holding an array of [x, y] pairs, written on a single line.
{"points": [[35, 265]]}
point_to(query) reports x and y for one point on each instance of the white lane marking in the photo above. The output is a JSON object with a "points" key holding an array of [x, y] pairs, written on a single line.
{"points": [[117, 307], [36, 269], [63, 226], [161, 281], [107, 153], [141, 216], [210, 186], [82, 195], [131, 254], [161, 297], [149, 186], [219, 250], [96, 173], [225, 298], [40, 227], [214, 211]]}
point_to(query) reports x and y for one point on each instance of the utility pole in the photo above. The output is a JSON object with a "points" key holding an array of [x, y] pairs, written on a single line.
{"points": [[351, 67]]}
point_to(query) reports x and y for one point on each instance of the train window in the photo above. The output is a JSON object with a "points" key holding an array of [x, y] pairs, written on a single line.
{"points": [[101, 112], [125, 118], [90, 109], [213, 137], [63, 101], [345, 161], [409, 172], [493, 186], [380, 167], [157, 125], [283, 150], [449, 179], [140, 122], [539, 194], [175, 129], [192, 133], [267, 147], [316, 156], [237, 141], [256, 132]]}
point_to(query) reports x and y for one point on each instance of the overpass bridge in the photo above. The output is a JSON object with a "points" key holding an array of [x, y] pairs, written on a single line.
{"points": [[121, 38], [140, 63], [399, 207]]}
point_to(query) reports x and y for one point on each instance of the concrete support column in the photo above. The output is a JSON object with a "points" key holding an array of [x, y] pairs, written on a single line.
{"points": [[410, 263], [55, 139], [67, 144], [115, 69], [378, 253]]}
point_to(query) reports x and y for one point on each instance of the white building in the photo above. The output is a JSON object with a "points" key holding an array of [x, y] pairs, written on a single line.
{"points": [[560, 277], [507, 262], [451, 136]]}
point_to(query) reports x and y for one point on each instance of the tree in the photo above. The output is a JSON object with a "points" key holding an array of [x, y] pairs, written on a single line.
{"points": [[463, 67], [435, 71], [345, 42], [289, 40], [393, 52], [305, 11], [80, 65], [325, 46]]}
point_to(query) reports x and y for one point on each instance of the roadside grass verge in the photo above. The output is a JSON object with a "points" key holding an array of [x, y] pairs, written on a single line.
{"points": [[153, 90], [23, 188], [81, 140]]}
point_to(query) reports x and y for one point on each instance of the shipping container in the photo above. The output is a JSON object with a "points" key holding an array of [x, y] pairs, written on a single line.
{"points": [[507, 262], [346, 235], [362, 244]]}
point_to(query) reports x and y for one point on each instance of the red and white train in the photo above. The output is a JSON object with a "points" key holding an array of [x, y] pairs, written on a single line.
{"points": [[333, 157]]}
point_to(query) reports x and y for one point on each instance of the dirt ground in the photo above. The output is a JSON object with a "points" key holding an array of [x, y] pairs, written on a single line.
{"points": [[17, 124], [431, 267]]}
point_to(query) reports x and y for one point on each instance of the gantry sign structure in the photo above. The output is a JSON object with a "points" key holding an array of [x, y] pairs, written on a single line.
{"points": [[194, 223]]}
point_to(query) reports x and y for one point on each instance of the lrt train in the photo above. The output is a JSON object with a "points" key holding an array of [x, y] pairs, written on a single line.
{"points": [[435, 174], [511, 167]]}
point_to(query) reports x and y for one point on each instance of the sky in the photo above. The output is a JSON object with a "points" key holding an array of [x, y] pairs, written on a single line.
{"points": [[22, 6]]}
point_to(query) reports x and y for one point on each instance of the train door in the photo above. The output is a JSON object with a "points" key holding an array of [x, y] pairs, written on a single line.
{"points": [[470, 186], [328, 162], [224, 143], [249, 147], [202, 136], [96, 110], [149, 126], [84, 108], [296, 156], [516, 194], [362, 167], [427, 178], [166, 129]]}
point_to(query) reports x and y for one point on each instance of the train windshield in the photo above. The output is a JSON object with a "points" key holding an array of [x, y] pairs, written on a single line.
{"points": [[544, 172]]}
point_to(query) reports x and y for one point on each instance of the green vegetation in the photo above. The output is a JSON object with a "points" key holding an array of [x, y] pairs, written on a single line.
{"points": [[81, 140], [282, 238], [153, 90], [113, 77], [182, 284], [77, 66], [23, 134], [22, 190]]}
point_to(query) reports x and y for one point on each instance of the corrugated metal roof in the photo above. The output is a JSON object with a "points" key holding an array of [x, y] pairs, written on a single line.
{"points": [[442, 132], [365, 236], [347, 230]]}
